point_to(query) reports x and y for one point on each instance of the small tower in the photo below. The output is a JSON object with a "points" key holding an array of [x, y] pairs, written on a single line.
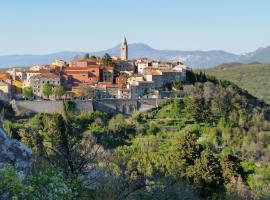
{"points": [[14, 74], [124, 49]]}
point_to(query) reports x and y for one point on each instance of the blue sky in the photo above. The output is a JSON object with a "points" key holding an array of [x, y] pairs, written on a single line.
{"points": [[47, 26]]}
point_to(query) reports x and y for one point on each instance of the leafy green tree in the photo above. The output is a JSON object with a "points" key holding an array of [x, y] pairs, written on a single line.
{"points": [[197, 109], [64, 145], [177, 107], [231, 168], [11, 183], [59, 91], [87, 55], [11, 131], [206, 174], [106, 60], [27, 92], [187, 149], [49, 183], [47, 90], [177, 85], [117, 123]]}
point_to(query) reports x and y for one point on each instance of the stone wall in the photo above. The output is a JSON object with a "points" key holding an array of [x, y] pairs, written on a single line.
{"points": [[27, 107], [124, 106]]}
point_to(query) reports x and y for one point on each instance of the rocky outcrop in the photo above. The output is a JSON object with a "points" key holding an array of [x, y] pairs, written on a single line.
{"points": [[15, 153]]}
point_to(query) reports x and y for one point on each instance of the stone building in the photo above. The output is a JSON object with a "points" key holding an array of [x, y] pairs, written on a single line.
{"points": [[38, 81], [89, 75], [107, 73], [139, 88], [84, 62]]}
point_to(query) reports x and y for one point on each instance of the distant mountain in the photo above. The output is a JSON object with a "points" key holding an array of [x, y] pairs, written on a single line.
{"points": [[195, 59]]}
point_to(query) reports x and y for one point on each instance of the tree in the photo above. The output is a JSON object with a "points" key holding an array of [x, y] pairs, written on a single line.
{"points": [[177, 85], [206, 174], [106, 60], [231, 168], [62, 146], [47, 90], [11, 131], [197, 109], [187, 149], [27, 92], [87, 55], [59, 91], [11, 186], [177, 107]]}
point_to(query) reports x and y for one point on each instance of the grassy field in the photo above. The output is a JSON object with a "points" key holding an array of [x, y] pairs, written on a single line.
{"points": [[255, 78]]}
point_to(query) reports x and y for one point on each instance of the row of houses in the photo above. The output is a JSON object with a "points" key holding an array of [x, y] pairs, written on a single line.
{"points": [[89, 78]]}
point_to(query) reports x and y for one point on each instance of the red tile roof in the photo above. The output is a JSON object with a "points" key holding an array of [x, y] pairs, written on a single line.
{"points": [[76, 72], [80, 68], [46, 75], [153, 73]]}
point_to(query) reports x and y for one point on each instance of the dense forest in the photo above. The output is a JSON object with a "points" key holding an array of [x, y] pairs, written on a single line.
{"points": [[211, 144]]}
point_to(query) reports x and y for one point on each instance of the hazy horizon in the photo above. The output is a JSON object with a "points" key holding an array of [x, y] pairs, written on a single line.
{"points": [[97, 51]]}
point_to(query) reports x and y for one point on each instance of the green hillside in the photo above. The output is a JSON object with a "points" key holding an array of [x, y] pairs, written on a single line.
{"points": [[212, 144], [252, 77]]}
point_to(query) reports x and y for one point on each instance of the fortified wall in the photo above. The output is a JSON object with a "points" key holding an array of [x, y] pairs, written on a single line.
{"points": [[123, 106]]}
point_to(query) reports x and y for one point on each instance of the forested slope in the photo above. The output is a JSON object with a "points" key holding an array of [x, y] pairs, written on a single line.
{"points": [[212, 144], [252, 77]]}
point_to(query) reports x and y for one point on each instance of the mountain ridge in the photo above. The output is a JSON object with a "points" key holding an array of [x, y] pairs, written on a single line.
{"points": [[193, 58]]}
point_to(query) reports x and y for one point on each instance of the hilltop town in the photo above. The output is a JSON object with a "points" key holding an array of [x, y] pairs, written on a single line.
{"points": [[93, 77]]}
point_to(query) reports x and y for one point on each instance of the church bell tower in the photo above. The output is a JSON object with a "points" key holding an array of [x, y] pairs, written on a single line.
{"points": [[124, 49]]}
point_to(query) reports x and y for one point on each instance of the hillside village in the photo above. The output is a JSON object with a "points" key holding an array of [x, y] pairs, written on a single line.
{"points": [[92, 77]]}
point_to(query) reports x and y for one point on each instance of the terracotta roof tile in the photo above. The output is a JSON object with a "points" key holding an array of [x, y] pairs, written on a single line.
{"points": [[46, 75]]}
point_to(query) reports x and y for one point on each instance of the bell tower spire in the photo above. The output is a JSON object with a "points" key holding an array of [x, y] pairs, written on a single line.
{"points": [[124, 49]]}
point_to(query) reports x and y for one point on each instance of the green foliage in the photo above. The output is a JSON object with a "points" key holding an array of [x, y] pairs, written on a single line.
{"points": [[49, 183], [246, 76], [119, 131], [106, 60], [11, 182], [87, 55], [231, 168], [27, 92], [197, 109], [177, 85], [47, 90], [46, 183], [206, 173], [70, 106], [10, 129], [59, 91], [212, 144]]}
